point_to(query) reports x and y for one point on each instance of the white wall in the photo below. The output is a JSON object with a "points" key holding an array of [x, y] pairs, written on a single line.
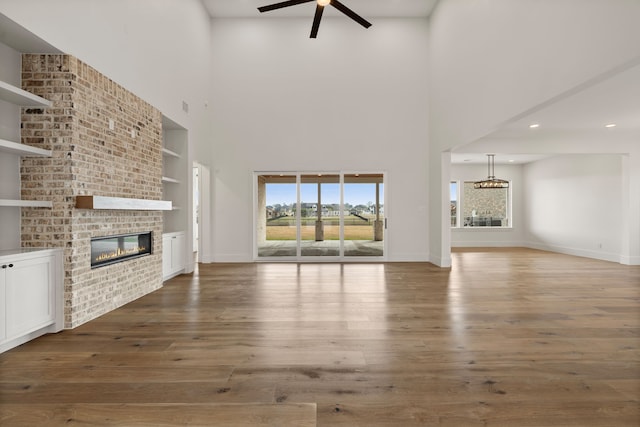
{"points": [[494, 59], [631, 206], [352, 100], [574, 205], [157, 49], [492, 237]]}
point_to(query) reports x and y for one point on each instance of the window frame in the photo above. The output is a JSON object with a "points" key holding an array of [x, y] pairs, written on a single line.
{"points": [[461, 202]]}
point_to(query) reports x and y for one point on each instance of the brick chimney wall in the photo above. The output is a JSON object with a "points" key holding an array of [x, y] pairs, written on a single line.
{"points": [[106, 142]]}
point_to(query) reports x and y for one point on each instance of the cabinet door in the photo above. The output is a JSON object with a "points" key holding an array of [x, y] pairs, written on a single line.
{"points": [[177, 253], [166, 256], [3, 304], [30, 296]]}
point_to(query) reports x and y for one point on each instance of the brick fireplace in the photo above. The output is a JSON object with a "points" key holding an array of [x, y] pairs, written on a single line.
{"points": [[106, 141]]}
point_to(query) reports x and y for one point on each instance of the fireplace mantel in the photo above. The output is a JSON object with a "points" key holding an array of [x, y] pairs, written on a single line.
{"points": [[122, 203]]}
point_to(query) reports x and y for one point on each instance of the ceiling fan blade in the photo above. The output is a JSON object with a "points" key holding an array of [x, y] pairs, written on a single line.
{"points": [[282, 4], [316, 21], [350, 13]]}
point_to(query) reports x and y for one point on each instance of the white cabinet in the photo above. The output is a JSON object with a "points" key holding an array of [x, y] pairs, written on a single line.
{"points": [[31, 300], [173, 254]]}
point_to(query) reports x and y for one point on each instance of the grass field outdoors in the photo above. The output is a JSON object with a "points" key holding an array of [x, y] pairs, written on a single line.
{"points": [[355, 228], [331, 232]]}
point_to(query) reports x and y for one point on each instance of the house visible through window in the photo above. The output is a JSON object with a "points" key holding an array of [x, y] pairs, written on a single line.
{"points": [[471, 207], [485, 207]]}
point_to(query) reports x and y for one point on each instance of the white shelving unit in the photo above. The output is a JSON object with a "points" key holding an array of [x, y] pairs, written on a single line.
{"points": [[21, 98], [168, 180], [14, 41], [167, 152], [22, 149], [25, 203], [175, 174], [175, 188]]}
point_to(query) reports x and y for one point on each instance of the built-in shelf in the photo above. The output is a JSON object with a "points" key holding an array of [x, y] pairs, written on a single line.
{"points": [[23, 149], [170, 153], [170, 180], [17, 96], [26, 203], [122, 203]]}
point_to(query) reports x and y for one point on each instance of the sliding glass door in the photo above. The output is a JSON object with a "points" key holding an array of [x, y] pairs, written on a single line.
{"points": [[319, 224], [319, 216], [276, 225], [364, 219]]}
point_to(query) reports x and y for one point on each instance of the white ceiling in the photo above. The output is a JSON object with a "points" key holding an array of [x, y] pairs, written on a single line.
{"points": [[579, 114], [368, 9], [575, 119]]}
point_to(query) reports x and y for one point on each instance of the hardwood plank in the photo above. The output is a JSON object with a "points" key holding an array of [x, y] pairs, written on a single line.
{"points": [[249, 415], [507, 337]]}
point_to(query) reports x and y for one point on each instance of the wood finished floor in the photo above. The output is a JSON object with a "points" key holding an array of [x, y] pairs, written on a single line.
{"points": [[506, 338]]}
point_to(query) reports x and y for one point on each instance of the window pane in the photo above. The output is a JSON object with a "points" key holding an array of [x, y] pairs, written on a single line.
{"points": [[277, 230], [320, 215], [485, 207], [363, 214], [453, 190]]}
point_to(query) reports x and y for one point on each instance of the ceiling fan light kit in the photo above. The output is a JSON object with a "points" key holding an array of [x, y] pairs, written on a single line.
{"points": [[320, 5]]}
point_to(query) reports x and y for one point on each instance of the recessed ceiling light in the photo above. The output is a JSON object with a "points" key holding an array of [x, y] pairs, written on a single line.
{"points": [[511, 160], [610, 125], [534, 126]]}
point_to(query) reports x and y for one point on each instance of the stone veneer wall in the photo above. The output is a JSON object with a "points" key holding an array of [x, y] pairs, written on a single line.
{"points": [[486, 202], [90, 159]]}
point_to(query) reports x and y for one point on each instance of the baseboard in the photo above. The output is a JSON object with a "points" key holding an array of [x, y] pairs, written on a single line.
{"points": [[14, 342], [486, 244], [409, 257], [443, 262], [604, 256], [205, 258], [630, 260], [231, 258]]}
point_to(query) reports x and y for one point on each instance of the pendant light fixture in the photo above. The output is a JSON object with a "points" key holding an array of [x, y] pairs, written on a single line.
{"points": [[491, 181]]}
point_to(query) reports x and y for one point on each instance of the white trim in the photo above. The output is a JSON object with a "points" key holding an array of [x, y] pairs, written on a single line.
{"points": [[443, 262], [604, 256], [487, 243], [630, 260], [299, 257]]}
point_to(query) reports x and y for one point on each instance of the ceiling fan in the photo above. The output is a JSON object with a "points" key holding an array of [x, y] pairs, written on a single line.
{"points": [[319, 10]]}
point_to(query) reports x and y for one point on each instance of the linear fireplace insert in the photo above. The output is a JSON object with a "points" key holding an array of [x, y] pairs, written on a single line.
{"points": [[112, 249]]}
